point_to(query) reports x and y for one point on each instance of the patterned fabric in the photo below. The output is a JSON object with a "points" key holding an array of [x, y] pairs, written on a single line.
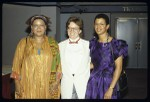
{"points": [[35, 70], [102, 59], [55, 69]]}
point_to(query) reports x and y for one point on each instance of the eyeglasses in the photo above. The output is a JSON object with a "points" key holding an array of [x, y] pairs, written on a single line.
{"points": [[73, 29]]}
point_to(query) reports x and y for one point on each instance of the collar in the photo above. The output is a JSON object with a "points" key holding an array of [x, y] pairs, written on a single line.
{"points": [[74, 41]]}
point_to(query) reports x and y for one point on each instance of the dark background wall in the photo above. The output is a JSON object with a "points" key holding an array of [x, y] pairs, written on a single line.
{"points": [[14, 16]]}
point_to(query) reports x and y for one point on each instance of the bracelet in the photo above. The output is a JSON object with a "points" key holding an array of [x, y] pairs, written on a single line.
{"points": [[111, 87], [15, 75]]}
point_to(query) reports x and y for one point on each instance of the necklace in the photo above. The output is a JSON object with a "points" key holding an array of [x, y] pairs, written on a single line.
{"points": [[38, 45], [105, 44], [39, 51]]}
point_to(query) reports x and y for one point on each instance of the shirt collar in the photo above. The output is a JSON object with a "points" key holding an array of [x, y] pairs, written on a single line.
{"points": [[74, 40]]}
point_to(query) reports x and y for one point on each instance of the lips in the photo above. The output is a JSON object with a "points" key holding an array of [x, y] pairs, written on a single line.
{"points": [[39, 31], [98, 30], [72, 34]]}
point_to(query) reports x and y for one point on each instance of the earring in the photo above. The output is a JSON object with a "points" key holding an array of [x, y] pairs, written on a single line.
{"points": [[31, 34]]}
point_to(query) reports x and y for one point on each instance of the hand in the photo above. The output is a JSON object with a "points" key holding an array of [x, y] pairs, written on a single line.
{"points": [[54, 86], [15, 75], [108, 93], [91, 66], [18, 88]]}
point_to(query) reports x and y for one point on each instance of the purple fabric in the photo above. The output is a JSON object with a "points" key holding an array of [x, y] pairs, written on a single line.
{"points": [[102, 59]]}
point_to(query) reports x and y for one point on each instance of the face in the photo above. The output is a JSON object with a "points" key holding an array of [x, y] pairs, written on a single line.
{"points": [[100, 26], [73, 30], [38, 27]]}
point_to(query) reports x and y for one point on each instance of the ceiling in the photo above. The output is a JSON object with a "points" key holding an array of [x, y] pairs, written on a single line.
{"points": [[77, 3]]}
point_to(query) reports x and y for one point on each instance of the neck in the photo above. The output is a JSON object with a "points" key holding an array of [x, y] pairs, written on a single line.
{"points": [[74, 39], [103, 38], [39, 39]]}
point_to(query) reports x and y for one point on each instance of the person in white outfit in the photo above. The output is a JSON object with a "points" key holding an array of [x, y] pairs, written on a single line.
{"points": [[75, 61]]}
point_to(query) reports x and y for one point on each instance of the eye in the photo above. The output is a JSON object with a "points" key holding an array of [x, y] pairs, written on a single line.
{"points": [[38, 26], [73, 29], [35, 26], [102, 24], [42, 25]]}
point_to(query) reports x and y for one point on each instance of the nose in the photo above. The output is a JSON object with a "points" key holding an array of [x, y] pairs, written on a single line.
{"points": [[71, 29], [98, 26], [39, 27]]}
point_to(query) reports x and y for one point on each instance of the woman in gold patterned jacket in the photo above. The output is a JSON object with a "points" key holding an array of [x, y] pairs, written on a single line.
{"points": [[36, 66]]}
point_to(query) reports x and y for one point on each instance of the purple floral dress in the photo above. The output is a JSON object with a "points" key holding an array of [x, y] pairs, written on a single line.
{"points": [[103, 61]]}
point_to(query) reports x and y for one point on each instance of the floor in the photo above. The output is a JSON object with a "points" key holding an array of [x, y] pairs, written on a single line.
{"points": [[137, 84]]}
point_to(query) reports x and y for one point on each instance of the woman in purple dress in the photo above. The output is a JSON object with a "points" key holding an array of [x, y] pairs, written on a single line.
{"points": [[107, 55]]}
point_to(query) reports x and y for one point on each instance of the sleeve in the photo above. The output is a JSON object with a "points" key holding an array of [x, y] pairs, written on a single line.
{"points": [[18, 57], [92, 45], [120, 47], [55, 75], [56, 64]]}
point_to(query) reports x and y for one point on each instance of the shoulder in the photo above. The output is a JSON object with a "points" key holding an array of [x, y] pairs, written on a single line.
{"points": [[22, 41], [52, 40], [93, 41], [63, 42], [53, 45], [118, 42], [120, 47], [85, 42]]}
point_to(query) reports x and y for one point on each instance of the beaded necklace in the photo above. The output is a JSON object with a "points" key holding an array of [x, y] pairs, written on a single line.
{"points": [[105, 44]]}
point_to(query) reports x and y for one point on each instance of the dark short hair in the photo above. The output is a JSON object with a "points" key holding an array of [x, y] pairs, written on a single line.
{"points": [[76, 20], [104, 16]]}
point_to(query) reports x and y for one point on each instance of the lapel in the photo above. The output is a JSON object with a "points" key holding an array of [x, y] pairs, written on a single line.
{"points": [[63, 54], [83, 56], [63, 50]]}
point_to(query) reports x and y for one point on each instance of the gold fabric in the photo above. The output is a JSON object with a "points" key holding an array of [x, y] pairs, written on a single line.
{"points": [[34, 69]]}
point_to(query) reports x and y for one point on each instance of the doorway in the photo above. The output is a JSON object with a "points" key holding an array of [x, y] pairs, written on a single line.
{"points": [[132, 27]]}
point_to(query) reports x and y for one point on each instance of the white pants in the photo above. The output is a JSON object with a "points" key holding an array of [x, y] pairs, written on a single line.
{"points": [[74, 93]]}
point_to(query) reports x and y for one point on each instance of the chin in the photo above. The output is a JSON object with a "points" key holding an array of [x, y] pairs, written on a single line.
{"points": [[100, 33], [72, 37], [39, 35]]}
